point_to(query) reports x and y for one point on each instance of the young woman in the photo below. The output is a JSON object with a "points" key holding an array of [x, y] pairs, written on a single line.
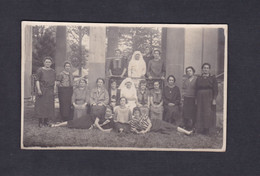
{"points": [[45, 82], [156, 99], [122, 116], [99, 97], [171, 101], [65, 90], [129, 92], [80, 99], [156, 68], [99, 121], [143, 99], [189, 107], [141, 124], [206, 91], [114, 94]]}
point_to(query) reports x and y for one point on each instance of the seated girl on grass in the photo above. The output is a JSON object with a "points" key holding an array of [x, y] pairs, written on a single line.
{"points": [[122, 116], [141, 124]]}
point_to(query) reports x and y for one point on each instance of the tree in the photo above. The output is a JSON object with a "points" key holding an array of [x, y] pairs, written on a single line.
{"points": [[43, 45], [77, 50]]}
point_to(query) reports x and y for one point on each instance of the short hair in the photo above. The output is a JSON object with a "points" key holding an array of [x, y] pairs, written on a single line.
{"points": [[126, 101], [101, 80], [157, 82], [137, 109], [142, 82], [66, 62], [190, 67], [171, 76], [206, 64], [157, 50], [112, 81], [118, 50], [83, 79], [47, 58]]}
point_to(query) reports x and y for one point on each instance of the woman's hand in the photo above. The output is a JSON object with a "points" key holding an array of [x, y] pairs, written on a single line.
{"points": [[214, 102], [39, 92], [171, 104]]}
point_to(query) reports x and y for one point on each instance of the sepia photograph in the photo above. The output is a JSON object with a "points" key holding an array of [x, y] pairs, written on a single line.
{"points": [[107, 86]]}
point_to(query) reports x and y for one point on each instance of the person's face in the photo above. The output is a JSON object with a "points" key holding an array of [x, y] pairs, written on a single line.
{"points": [[137, 56], [156, 54], [100, 83], [171, 81], [113, 85], [118, 53], [189, 72], [47, 63], [205, 69], [108, 112], [147, 50], [82, 83], [143, 86], [122, 101], [156, 85], [67, 67], [137, 114], [128, 85]]}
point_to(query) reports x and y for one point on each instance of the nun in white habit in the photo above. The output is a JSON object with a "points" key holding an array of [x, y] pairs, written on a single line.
{"points": [[128, 91], [136, 67]]}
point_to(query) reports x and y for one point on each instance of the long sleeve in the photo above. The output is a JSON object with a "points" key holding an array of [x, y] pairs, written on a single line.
{"points": [[215, 87], [92, 98], [73, 96], [178, 96], [129, 115], [165, 100], [130, 69], [149, 69], [143, 69], [163, 69], [106, 101]]}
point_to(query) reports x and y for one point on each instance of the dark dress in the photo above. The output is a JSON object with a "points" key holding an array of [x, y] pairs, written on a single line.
{"points": [[147, 58], [44, 105], [65, 91], [206, 91], [171, 95]]}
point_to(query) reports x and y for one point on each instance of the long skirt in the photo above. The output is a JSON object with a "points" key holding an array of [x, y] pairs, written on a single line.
{"points": [[206, 112], [44, 105], [171, 113], [161, 126], [156, 112], [125, 126], [80, 112], [80, 123], [189, 112], [65, 94]]}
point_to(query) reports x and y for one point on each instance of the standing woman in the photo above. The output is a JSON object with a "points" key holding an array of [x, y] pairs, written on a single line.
{"points": [[156, 109], [136, 67], [65, 90], [45, 82], [207, 91], [80, 99], [171, 100], [99, 97], [189, 107]]}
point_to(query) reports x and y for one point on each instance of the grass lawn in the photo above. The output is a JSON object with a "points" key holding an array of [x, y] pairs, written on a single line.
{"points": [[34, 136]]}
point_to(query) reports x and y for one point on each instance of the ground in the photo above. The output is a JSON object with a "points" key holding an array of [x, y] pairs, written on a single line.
{"points": [[65, 137]]}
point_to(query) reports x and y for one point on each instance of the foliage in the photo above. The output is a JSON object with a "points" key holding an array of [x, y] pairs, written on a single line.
{"points": [[43, 44], [138, 38]]}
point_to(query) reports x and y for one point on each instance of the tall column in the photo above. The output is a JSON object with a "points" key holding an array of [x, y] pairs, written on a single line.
{"points": [[210, 49], [175, 54], [61, 45], [193, 48], [27, 60], [97, 50]]}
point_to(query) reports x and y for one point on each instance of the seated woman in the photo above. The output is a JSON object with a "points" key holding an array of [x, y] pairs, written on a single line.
{"points": [[141, 124], [129, 92], [99, 97], [143, 99], [80, 98], [114, 94], [103, 123], [171, 100], [156, 99], [122, 116]]}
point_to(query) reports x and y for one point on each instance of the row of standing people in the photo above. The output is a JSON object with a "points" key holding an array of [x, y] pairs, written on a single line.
{"points": [[200, 95]]}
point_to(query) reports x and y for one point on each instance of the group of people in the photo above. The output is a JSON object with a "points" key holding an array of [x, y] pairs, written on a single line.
{"points": [[128, 106]]}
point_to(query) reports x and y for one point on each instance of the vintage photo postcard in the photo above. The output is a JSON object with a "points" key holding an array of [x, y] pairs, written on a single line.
{"points": [[149, 87]]}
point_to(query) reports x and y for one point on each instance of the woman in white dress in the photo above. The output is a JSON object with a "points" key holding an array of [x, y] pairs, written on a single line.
{"points": [[136, 67], [128, 91]]}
